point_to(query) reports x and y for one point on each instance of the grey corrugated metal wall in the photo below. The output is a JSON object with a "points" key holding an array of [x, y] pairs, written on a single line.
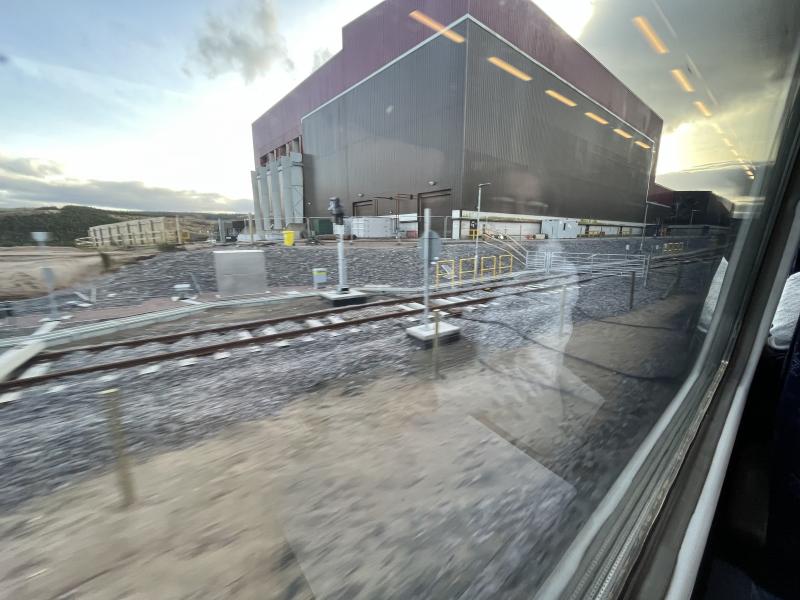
{"points": [[541, 156], [392, 134], [405, 126]]}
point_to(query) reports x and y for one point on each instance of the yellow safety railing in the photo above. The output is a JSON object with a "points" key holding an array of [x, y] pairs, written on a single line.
{"points": [[484, 268], [441, 270], [462, 270], [509, 266], [470, 268]]}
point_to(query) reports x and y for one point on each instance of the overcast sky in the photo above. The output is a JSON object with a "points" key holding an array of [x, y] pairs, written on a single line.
{"points": [[148, 105]]}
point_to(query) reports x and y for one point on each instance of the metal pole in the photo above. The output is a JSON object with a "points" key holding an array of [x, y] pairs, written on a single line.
{"points": [[118, 441], [178, 228], [194, 281], [436, 344], [426, 259], [342, 263], [250, 228], [221, 230], [478, 223], [633, 286], [644, 224]]}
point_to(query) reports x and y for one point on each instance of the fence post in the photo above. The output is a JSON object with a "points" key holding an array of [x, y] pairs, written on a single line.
{"points": [[436, 344], [633, 287], [113, 414]]}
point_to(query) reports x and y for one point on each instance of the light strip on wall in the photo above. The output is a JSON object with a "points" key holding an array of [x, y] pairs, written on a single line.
{"points": [[642, 144], [563, 99], [623, 133], [421, 17], [596, 118], [702, 108], [501, 64], [643, 25], [681, 79]]}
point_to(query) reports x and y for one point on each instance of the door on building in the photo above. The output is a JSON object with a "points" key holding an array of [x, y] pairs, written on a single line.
{"points": [[363, 208], [441, 205]]}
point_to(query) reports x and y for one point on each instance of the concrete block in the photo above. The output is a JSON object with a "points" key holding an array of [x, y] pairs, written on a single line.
{"points": [[345, 298], [426, 332]]}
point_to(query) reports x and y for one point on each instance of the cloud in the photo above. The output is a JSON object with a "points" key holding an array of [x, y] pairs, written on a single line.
{"points": [[29, 167], [321, 56], [3, 59], [725, 181], [30, 182], [249, 46]]}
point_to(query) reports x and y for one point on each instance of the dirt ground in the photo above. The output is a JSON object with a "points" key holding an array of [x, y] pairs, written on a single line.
{"points": [[395, 487], [20, 275]]}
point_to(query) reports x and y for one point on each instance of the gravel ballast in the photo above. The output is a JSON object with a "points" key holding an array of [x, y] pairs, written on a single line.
{"points": [[57, 432]]}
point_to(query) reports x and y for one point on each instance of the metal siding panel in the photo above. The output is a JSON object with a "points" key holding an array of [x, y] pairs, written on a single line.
{"points": [[385, 32], [391, 134], [543, 157], [372, 40], [526, 26]]}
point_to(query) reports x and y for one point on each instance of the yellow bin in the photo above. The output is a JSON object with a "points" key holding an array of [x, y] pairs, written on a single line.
{"points": [[288, 237]]}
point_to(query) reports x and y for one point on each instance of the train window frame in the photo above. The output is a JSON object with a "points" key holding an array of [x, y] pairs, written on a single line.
{"points": [[621, 547]]}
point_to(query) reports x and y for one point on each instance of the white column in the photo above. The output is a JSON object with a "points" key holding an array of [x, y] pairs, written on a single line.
{"points": [[263, 197], [257, 205], [275, 195]]}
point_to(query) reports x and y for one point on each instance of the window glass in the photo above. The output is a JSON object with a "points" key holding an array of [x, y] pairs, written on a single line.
{"points": [[452, 328]]}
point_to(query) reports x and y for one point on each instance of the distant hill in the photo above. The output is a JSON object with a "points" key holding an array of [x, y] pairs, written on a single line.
{"points": [[70, 222]]}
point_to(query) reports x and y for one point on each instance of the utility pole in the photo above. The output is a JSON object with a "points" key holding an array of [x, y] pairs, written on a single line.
{"points": [[335, 208], [644, 225], [478, 230]]}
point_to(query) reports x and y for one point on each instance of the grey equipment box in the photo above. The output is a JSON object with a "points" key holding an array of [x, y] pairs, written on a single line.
{"points": [[240, 272]]}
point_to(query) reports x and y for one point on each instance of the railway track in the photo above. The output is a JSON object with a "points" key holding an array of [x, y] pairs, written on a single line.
{"points": [[35, 371]]}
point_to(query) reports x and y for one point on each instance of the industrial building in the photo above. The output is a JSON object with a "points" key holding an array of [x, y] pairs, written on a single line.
{"points": [[428, 99]]}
